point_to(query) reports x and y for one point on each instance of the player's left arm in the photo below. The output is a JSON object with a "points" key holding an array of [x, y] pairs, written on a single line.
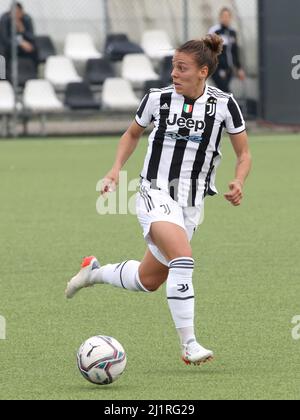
{"points": [[243, 166]]}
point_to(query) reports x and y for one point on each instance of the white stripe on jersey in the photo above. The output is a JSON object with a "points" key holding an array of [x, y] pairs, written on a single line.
{"points": [[185, 142], [167, 152], [189, 159]]}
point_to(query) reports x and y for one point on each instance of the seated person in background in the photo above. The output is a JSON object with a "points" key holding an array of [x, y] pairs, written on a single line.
{"points": [[24, 33]]}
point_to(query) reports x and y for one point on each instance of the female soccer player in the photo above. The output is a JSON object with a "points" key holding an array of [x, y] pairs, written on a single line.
{"points": [[179, 171]]}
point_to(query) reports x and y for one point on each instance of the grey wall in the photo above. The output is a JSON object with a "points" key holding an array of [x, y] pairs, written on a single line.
{"points": [[279, 78]]}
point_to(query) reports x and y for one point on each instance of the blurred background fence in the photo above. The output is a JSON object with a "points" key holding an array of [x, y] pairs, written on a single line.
{"points": [[84, 79]]}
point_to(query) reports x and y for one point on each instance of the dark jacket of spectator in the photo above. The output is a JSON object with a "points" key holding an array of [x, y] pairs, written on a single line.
{"points": [[25, 35], [229, 60]]}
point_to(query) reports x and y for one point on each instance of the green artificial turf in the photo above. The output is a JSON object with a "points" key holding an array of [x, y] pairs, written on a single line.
{"points": [[246, 278]]}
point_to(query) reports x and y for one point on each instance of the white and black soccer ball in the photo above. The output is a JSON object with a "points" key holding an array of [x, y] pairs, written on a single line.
{"points": [[101, 360]]}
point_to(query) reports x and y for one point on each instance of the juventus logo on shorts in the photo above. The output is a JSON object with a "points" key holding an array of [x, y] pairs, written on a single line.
{"points": [[211, 107], [166, 208]]}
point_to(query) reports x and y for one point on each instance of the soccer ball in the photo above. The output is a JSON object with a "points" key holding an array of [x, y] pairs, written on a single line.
{"points": [[101, 360]]}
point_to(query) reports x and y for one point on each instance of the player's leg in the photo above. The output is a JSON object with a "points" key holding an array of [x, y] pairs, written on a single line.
{"points": [[146, 276], [152, 273], [171, 239], [173, 242], [124, 274]]}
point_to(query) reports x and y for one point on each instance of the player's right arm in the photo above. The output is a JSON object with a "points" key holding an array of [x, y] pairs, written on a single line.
{"points": [[126, 147]]}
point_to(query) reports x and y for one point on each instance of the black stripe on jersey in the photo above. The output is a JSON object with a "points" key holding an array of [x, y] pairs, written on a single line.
{"points": [[207, 190], [142, 106], [201, 152], [178, 153], [235, 113], [158, 141]]}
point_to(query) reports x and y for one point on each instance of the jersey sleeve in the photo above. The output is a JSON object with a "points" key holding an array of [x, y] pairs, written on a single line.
{"points": [[214, 29], [234, 121], [144, 115]]}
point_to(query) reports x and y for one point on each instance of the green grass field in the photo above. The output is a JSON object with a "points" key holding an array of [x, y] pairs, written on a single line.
{"points": [[246, 280]]}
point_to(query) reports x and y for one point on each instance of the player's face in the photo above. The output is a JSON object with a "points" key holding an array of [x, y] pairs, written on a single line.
{"points": [[187, 77], [19, 13], [225, 18]]}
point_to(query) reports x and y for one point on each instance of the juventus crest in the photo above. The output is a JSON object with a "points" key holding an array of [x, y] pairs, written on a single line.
{"points": [[211, 107]]}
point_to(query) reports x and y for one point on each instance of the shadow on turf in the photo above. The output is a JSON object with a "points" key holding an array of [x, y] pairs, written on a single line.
{"points": [[201, 370], [89, 388]]}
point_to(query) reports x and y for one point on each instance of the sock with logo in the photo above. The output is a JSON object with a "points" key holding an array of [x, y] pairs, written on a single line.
{"points": [[124, 275], [180, 294]]}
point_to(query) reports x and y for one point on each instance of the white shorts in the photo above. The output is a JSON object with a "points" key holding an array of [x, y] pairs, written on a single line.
{"points": [[157, 206]]}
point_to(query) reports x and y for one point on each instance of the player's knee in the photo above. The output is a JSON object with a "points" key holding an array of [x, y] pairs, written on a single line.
{"points": [[181, 253], [153, 283], [152, 288]]}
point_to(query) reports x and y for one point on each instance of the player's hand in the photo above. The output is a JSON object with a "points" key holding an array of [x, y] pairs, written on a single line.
{"points": [[26, 46], [110, 182], [235, 195], [241, 74]]}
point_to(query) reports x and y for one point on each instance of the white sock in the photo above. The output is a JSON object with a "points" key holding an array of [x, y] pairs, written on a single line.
{"points": [[124, 275], [186, 335], [180, 294]]}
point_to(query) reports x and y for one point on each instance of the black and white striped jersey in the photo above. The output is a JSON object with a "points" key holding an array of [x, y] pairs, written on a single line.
{"points": [[184, 146]]}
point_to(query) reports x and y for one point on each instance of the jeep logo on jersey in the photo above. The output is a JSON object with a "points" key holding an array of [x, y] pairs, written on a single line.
{"points": [[181, 122]]}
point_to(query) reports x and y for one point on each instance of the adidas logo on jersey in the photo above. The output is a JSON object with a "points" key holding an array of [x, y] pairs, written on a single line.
{"points": [[165, 106]]}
